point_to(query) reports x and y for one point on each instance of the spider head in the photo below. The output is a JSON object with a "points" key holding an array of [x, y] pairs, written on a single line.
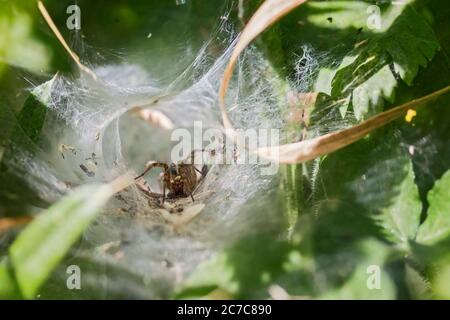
{"points": [[173, 170]]}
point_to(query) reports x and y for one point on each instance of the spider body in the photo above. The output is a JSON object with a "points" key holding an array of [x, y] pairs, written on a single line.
{"points": [[180, 180]]}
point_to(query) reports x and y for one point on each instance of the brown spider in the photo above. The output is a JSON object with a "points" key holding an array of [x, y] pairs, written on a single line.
{"points": [[180, 179]]}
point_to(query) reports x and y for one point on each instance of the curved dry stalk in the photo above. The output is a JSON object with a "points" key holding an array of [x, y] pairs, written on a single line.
{"points": [[61, 39], [267, 14], [310, 149]]}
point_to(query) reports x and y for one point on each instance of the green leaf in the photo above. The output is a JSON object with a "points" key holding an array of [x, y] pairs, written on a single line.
{"points": [[210, 275], [19, 45], [367, 99], [8, 285], [7, 121], [369, 279], [43, 243], [240, 270], [32, 116], [338, 14], [326, 75], [21, 132], [373, 178], [401, 217], [437, 224], [405, 45], [440, 282], [362, 66]]}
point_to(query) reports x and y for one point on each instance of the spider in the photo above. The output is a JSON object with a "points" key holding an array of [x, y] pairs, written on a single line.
{"points": [[180, 179]]}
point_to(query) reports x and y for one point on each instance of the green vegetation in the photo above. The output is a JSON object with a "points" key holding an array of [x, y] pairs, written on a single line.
{"points": [[370, 221]]}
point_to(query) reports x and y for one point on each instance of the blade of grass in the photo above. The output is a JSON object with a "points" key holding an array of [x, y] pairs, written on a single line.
{"points": [[266, 15], [43, 243], [8, 285]]}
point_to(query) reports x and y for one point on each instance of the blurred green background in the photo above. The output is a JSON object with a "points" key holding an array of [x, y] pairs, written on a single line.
{"points": [[157, 35]]}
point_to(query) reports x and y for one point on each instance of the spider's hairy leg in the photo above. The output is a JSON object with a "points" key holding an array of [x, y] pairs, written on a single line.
{"points": [[199, 171], [153, 164], [204, 167], [164, 192]]}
